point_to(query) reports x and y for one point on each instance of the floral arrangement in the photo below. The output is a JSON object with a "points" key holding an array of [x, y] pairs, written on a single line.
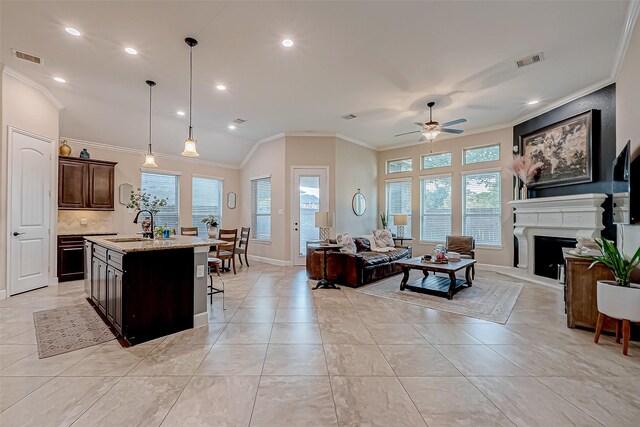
{"points": [[524, 168], [139, 200]]}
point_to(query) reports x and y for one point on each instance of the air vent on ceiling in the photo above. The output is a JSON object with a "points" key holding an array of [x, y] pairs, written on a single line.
{"points": [[532, 59], [349, 116], [239, 121], [27, 57]]}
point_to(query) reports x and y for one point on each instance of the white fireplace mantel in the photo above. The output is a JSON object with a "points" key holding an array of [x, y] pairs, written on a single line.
{"points": [[573, 216]]}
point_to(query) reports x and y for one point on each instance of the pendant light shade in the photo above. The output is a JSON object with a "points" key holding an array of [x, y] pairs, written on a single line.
{"points": [[149, 159], [190, 143]]}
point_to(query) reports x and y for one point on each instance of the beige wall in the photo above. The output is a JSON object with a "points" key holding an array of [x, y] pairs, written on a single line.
{"points": [[128, 170], [627, 118], [489, 255], [26, 108]]}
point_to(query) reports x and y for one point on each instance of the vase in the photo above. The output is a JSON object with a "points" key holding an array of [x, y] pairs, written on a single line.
{"points": [[84, 154], [64, 150], [212, 232]]}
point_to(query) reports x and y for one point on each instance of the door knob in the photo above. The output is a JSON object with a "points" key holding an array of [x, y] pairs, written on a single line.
{"points": [[15, 233]]}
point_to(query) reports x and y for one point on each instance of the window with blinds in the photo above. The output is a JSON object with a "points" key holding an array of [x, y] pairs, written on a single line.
{"points": [[435, 208], [164, 186], [481, 214], [399, 165], [430, 161], [261, 209], [398, 201], [206, 199], [489, 153]]}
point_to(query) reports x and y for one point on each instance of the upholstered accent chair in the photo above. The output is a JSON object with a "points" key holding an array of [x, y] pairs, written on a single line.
{"points": [[465, 246]]}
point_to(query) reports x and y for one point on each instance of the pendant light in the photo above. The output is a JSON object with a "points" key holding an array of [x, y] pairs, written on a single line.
{"points": [[190, 143], [149, 159]]}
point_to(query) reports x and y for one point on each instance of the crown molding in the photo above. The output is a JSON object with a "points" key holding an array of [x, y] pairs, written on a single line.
{"points": [[136, 151], [627, 31], [258, 144], [10, 71], [357, 142]]}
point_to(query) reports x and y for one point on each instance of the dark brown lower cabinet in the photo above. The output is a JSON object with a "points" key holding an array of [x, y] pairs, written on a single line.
{"points": [[71, 257], [114, 297]]}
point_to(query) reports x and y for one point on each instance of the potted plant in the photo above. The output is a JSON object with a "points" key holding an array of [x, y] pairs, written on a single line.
{"points": [[139, 200], [211, 222], [383, 220], [618, 298]]}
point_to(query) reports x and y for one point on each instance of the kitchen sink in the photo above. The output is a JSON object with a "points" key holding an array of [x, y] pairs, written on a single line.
{"points": [[128, 239]]}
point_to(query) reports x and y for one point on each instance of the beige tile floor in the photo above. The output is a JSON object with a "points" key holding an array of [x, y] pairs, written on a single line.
{"points": [[283, 355]]}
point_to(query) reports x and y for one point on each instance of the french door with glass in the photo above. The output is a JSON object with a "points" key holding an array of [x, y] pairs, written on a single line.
{"points": [[310, 195]]}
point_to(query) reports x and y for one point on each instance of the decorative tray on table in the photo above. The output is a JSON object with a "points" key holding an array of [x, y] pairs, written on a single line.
{"points": [[427, 260]]}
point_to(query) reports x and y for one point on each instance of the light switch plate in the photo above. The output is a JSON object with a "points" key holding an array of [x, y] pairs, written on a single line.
{"points": [[280, 211], [200, 271]]}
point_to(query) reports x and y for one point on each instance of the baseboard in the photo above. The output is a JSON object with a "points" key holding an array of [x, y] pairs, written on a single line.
{"points": [[518, 273], [278, 262], [3, 294], [200, 319]]}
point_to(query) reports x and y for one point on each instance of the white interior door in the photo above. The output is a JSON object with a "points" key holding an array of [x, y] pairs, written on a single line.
{"points": [[309, 196], [30, 201]]}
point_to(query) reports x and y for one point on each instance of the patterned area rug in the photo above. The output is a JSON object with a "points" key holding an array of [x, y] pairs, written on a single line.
{"points": [[490, 300], [65, 329]]}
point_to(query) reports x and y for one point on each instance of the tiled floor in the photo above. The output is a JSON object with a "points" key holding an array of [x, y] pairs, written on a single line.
{"points": [[283, 355]]}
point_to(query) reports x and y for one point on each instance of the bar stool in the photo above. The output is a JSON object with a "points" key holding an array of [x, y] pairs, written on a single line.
{"points": [[215, 265]]}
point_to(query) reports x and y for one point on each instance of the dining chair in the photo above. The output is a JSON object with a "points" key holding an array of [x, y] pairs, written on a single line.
{"points": [[243, 244], [228, 251], [189, 231], [215, 265]]}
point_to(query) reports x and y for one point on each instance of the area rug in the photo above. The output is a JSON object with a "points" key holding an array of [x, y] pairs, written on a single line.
{"points": [[487, 299], [64, 329]]}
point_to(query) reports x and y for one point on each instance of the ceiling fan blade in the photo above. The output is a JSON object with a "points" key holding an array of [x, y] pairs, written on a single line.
{"points": [[407, 133], [418, 124], [453, 122], [451, 130], [422, 139]]}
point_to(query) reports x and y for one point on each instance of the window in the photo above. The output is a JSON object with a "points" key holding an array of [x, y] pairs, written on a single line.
{"points": [[399, 202], [481, 154], [206, 199], [261, 208], [481, 207], [430, 161], [164, 186], [400, 165], [435, 208]]}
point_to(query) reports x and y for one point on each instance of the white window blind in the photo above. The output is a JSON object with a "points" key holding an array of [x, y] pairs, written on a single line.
{"points": [[206, 199], [435, 208], [261, 209], [400, 165], [481, 213], [399, 202], [481, 154], [164, 186], [430, 161]]}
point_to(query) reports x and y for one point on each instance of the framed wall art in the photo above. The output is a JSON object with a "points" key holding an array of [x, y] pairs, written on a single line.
{"points": [[564, 149]]}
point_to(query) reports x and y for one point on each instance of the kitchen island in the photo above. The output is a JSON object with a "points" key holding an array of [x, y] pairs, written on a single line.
{"points": [[149, 288]]}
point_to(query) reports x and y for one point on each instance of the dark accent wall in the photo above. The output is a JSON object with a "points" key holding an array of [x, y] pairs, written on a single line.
{"points": [[603, 102]]}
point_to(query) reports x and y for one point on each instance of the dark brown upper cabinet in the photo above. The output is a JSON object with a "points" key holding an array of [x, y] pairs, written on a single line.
{"points": [[85, 184]]}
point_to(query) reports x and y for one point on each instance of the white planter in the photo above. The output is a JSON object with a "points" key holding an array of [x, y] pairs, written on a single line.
{"points": [[212, 232], [619, 302]]}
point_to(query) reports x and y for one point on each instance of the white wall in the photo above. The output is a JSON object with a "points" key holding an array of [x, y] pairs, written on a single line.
{"points": [[628, 119]]}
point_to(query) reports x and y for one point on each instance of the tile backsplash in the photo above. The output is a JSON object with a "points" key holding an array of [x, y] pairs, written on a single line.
{"points": [[96, 221]]}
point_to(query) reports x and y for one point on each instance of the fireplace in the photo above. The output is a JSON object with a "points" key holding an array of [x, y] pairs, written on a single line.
{"points": [[548, 254]]}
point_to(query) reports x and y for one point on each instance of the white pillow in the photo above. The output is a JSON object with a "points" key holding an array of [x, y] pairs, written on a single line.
{"points": [[383, 238], [345, 240]]}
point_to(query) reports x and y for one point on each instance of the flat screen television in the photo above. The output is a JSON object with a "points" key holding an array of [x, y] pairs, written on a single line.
{"points": [[626, 187]]}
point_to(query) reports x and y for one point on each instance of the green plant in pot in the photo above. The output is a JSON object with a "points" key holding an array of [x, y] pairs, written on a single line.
{"points": [[140, 200], [619, 298], [211, 222], [383, 220]]}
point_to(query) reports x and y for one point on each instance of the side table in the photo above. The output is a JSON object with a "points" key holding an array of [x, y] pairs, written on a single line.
{"points": [[324, 282]]}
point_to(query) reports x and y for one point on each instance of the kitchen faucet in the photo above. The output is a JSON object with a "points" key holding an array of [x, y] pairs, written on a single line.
{"points": [[145, 233]]}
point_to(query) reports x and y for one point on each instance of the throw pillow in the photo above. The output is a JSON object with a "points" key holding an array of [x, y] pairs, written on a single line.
{"points": [[383, 238], [346, 242], [362, 244]]}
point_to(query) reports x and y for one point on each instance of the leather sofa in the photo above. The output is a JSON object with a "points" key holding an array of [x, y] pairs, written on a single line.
{"points": [[361, 268]]}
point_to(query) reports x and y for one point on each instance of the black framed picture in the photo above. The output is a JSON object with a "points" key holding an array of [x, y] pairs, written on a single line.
{"points": [[564, 149]]}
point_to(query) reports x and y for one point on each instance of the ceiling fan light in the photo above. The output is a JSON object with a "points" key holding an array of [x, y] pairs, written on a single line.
{"points": [[190, 148], [149, 161], [431, 134]]}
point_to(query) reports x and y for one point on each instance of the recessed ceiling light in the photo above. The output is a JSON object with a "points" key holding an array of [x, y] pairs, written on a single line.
{"points": [[59, 79], [287, 42], [130, 51], [533, 102], [180, 113], [221, 87], [72, 31], [232, 127]]}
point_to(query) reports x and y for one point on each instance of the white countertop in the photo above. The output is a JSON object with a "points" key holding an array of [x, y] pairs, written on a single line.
{"points": [[176, 242]]}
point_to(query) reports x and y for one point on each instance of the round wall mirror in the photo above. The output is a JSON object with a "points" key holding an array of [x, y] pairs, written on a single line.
{"points": [[359, 203]]}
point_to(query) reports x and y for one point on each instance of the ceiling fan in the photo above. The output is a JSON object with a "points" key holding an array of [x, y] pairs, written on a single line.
{"points": [[430, 130]]}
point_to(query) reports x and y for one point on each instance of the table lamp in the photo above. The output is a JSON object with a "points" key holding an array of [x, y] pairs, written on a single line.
{"points": [[400, 221], [324, 221]]}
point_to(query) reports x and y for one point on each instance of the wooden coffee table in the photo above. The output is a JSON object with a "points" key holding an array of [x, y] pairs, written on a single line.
{"points": [[432, 284]]}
